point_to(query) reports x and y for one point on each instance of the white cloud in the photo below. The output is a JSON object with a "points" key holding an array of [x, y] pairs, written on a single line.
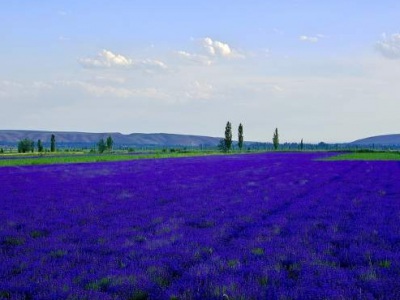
{"points": [[310, 39], [115, 91], [216, 47], [278, 88], [389, 46], [8, 83], [62, 38], [153, 63], [199, 90], [108, 59], [40, 85], [212, 50], [219, 49], [13, 89], [197, 58], [109, 79]]}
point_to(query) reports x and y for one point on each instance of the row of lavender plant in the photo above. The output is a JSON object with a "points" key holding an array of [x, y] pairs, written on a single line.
{"points": [[269, 226]]}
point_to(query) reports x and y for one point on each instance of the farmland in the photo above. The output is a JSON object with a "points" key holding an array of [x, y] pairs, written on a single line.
{"points": [[62, 158], [378, 155], [269, 226]]}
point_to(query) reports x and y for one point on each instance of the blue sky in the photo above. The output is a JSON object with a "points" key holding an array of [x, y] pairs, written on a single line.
{"points": [[318, 70]]}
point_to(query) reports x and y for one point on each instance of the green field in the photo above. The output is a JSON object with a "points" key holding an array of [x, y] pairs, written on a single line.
{"points": [[367, 156], [18, 160], [63, 158]]}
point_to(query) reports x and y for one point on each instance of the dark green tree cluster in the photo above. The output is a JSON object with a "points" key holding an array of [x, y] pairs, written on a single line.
{"points": [[26, 145], [104, 145], [101, 146]]}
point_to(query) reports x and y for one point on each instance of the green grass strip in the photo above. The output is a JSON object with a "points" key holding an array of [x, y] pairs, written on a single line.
{"points": [[43, 160], [367, 156]]}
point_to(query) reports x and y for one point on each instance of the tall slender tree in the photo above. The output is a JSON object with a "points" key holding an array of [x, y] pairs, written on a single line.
{"points": [[39, 146], [53, 143], [240, 136], [109, 143], [228, 137], [301, 145], [275, 139]]}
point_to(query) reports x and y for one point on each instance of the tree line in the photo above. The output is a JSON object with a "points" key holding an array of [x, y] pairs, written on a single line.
{"points": [[27, 145], [104, 145], [225, 145]]}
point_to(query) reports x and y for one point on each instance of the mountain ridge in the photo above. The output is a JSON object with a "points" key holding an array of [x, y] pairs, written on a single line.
{"points": [[385, 140], [134, 139], [151, 139]]}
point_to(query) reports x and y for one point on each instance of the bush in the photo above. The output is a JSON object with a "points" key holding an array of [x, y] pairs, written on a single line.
{"points": [[222, 146], [25, 145]]}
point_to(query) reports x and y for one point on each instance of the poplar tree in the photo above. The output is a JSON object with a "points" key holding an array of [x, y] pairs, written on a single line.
{"points": [[240, 136], [275, 139], [39, 146], [109, 143], [228, 137], [53, 143]]}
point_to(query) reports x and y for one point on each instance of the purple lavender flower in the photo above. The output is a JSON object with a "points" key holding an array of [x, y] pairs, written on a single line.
{"points": [[253, 226]]}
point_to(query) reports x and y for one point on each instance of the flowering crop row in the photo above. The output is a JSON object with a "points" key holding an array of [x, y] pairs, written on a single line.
{"points": [[254, 226]]}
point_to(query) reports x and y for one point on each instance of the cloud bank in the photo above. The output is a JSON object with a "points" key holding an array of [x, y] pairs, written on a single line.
{"points": [[310, 39], [108, 59], [389, 46], [216, 48], [211, 50]]}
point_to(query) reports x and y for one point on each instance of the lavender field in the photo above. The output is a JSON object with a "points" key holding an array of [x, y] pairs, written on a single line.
{"points": [[254, 226]]}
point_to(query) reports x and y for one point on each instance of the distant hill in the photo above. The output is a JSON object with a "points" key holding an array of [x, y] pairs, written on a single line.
{"points": [[384, 140], [134, 139]]}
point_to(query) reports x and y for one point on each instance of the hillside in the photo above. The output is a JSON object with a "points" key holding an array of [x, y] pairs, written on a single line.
{"points": [[134, 139], [385, 140]]}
